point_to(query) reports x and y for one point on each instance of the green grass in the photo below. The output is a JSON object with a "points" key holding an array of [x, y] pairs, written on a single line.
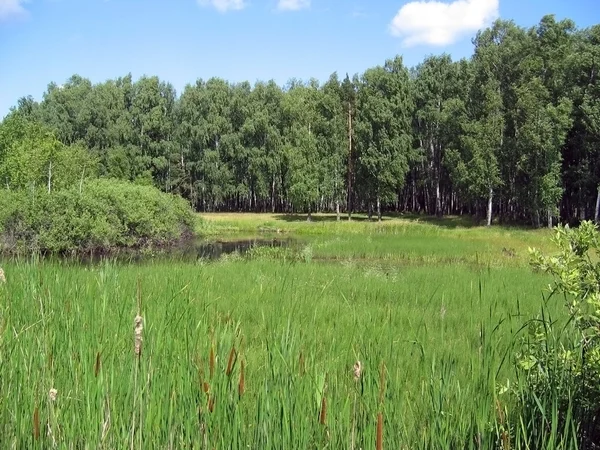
{"points": [[442, 331]]}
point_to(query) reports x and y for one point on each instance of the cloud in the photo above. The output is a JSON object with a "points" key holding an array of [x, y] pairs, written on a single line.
{"points": [[439, 23], [293, 5], [11, 8], [223, 5]]}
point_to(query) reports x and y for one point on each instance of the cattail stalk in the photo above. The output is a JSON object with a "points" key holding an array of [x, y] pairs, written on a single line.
{"points": [[241, 384], [211, 362], [382, 382]]}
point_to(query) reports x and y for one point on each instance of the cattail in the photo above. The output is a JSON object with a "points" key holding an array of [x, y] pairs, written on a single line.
{"points": [[97, 365], [357, 370], [205, 387], [211, 362], [500, 412], [2, 276], [241, 384], [36, 423], [52, 394], [232, 358], [139, 327], [323, 414], [211, 404], [379, 438]]}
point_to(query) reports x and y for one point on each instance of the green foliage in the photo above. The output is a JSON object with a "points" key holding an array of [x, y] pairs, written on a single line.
{"points": [[560, 360], [99, 214], [510, 133]]}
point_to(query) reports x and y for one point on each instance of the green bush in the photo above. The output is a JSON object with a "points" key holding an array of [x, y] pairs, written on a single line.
{"points": [[558, 396], [100, 214]]}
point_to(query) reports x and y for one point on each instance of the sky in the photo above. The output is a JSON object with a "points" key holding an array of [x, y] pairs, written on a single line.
{"points": [[43, 41]]}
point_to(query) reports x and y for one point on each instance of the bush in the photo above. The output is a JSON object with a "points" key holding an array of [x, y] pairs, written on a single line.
{"points": [[559, 363], [100, 214]]}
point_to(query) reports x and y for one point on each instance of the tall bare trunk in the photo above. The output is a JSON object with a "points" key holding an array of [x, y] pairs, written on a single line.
{"points": [[273, 195], [597, 212], [337, 210], [489, 208], [438, 200], [549, 217], [378, 209]]}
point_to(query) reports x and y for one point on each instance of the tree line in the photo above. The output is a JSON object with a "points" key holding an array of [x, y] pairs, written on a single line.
{"points": [[511, 133]]}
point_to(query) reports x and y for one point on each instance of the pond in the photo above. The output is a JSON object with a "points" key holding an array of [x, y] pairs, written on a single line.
{"points": [[216, 249]]}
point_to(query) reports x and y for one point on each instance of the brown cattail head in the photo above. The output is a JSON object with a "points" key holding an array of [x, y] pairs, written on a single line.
{"points": [[97, 365], [36, 423], [211, 362], [2, 276], [211, 403], [241, 384], [231, 361], [379, 438], [205, 387], [52, 394], [323, 413], [357, 370], [138, 328]]}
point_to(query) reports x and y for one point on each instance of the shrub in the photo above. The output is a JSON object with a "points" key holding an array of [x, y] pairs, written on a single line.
{"points": [[559, 363], [100, 214]]}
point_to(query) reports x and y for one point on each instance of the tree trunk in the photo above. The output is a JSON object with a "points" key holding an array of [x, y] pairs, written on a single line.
{"points": [[273, 196], [438, 200], [549, 217], [309, 217], [489, 208], [597, 212], [378, 209], [370, 210], [49, 176], [337, 210]]}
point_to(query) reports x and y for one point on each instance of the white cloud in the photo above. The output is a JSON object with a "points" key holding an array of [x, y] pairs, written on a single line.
{"points": [[11, 8], [293, 5], [223, 5], [440, 23]]}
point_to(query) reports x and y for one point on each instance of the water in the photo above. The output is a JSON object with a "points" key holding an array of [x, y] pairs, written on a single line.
{"points": [[216, 249], [188, 251]]}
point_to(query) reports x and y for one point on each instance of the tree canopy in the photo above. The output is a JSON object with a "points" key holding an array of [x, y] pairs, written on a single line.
{"points": [[510, 134]]}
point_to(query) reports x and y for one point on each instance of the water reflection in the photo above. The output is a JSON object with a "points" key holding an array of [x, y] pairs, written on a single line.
{"points": [[216, 249]]}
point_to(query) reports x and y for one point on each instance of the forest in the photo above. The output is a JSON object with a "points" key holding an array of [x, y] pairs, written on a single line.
{"points": [[509, 135]]}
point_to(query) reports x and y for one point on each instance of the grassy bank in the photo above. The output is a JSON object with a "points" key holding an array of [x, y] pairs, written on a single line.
{"points": [[424, 241]]}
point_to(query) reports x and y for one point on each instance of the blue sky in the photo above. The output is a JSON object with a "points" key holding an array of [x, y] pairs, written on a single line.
{"points": [[182, 40]]}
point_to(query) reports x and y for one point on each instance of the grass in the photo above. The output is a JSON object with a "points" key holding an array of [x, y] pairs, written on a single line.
{"points": [[432, 338]]}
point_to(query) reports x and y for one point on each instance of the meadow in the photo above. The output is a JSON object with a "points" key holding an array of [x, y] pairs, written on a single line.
{"points": [[399, 334]]}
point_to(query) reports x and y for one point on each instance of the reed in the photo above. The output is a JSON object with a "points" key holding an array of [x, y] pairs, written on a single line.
{"points": [[343, 354]]}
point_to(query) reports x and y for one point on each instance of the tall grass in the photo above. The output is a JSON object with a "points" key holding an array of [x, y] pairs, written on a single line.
{"points": [[259, 353]]}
